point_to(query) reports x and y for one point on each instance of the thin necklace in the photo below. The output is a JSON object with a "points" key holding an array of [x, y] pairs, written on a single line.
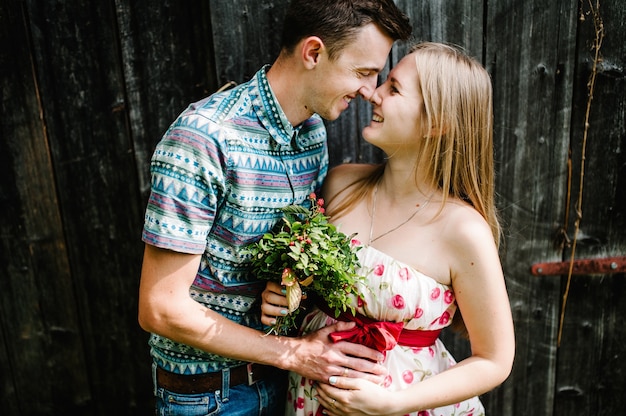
{"points": [[371, 240]]}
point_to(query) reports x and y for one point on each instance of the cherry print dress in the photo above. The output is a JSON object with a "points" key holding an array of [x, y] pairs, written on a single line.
{"points": [[397, 293]]}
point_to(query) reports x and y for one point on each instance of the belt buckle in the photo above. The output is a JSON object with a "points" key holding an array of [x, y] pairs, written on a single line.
{"points": [[251, 379]]}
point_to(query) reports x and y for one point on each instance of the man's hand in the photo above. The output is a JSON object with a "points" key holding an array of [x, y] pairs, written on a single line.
{"points": [[343, 358], [315, 355]]}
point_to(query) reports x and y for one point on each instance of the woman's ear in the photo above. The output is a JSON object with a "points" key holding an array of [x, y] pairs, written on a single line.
{"points": [[438, 131], [311, 49]]}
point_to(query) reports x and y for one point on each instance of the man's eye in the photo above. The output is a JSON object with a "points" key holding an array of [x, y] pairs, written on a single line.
{"points": [[364, 74], [393, 90]]}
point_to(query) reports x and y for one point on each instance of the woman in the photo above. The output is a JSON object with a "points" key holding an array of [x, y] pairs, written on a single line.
{"points": [[426, 221]]}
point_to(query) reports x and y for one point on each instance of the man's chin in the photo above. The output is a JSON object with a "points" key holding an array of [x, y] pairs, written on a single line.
{"points": [[331, 116]]}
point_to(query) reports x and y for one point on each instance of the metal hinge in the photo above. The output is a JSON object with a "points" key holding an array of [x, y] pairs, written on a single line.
{"points": [[605, 265]]}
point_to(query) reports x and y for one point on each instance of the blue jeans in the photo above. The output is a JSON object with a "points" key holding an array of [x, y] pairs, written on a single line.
{"points": [[263, 398]]}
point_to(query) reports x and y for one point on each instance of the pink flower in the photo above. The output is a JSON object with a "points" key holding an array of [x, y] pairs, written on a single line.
{"points": [[312, 195], [397, 302], [448, 296], [359, 301], [422, 413], [444, 318], [407, 376], [404, 274], [387, 381], [379, 269], [320, 202], [298, 403], [355, 242], [435, 293], [418, 312]]}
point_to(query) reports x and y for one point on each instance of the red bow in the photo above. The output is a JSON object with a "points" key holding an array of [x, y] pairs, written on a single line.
{"points": [[380, 335]]}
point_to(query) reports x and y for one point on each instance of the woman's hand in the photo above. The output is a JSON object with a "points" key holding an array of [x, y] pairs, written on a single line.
{"points": [[274, 303], [352, 396]]}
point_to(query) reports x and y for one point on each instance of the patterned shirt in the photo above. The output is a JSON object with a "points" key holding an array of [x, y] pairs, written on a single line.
{"points": [[220, 175]]}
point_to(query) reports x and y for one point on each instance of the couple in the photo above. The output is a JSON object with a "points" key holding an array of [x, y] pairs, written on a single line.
{"points": [[229, 163]]}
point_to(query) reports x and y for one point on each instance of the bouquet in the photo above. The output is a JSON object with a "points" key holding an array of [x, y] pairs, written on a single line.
{"points": [[307, 251]]}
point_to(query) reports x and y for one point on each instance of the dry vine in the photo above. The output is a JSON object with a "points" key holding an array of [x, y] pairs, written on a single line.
{"points": [[597, 44]]}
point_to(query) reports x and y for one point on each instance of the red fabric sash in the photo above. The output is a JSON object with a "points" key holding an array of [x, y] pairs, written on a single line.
{"points": [[380, 335]]}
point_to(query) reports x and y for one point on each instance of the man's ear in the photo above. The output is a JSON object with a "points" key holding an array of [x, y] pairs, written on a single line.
{"points": [[311, 49]]}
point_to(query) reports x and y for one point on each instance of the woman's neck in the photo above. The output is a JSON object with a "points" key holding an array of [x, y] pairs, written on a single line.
{"points": [[401, 183]]}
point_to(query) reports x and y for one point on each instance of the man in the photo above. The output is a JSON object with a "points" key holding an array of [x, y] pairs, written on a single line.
{"points": [[220, 175]]}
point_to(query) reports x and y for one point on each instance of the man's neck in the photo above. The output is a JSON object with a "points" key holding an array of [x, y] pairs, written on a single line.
{"points": [[287, 85]]}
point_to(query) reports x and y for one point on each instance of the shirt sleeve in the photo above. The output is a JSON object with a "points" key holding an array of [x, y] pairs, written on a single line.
{"points": [[187, 184]]}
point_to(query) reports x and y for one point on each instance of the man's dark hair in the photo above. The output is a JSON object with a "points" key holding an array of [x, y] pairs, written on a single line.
{"points": [[336, 21]]}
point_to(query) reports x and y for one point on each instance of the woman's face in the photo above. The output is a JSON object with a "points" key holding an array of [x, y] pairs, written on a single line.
{"points": [[397, 119]]}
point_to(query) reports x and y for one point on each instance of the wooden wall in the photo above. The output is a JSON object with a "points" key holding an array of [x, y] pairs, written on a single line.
{"points": [[88, 88]]}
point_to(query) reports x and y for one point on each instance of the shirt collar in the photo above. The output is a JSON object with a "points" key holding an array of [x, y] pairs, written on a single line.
{"points": [[269, 111]]}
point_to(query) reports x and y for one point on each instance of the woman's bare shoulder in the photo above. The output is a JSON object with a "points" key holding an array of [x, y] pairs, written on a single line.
{"points": [[464, 227]]}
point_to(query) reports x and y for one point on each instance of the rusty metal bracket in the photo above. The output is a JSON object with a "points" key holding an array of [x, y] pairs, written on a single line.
{"points": [[607, 265]]}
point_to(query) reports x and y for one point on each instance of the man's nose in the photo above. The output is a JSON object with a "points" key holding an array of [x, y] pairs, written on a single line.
{"points": [[368, 88]]}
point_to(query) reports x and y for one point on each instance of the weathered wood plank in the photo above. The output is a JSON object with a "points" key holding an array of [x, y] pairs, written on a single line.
{"points": [[528, 46], [458, 21], [246, 36], [41, 334], [81, 86], [590, 377]]}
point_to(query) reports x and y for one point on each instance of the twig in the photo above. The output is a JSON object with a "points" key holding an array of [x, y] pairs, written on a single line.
{"points": [[597, 44]]}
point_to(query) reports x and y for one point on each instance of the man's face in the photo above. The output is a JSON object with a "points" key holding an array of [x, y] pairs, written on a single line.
{"points": [[354, 72]]}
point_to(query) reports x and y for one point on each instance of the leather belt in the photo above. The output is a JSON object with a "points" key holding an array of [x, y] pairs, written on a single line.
{"points": [[207, 382]]}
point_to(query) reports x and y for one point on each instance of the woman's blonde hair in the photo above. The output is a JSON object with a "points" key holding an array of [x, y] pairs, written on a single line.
{"points": [[458, 105], [458, 156]]}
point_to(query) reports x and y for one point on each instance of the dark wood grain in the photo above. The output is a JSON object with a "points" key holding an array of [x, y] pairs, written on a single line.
{"points": [[41, 331], [528, 48], [590, 373]]}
